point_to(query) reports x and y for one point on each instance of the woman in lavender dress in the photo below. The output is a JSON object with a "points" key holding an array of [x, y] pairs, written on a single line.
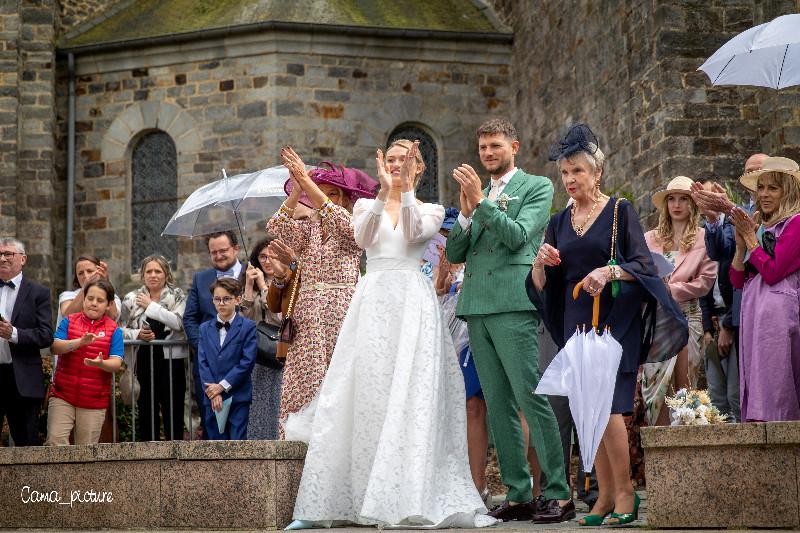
{"points": [[767, 266]]}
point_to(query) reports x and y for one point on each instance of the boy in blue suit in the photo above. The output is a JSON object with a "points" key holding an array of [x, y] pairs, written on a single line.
{"points": [[226, 354]]}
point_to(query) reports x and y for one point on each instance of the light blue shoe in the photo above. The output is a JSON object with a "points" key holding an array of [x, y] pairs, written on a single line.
{"points": [[299, 524]]}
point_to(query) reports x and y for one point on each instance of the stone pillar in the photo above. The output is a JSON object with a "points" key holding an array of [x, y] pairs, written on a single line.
{"points": [[9, 102], [35, 174]]}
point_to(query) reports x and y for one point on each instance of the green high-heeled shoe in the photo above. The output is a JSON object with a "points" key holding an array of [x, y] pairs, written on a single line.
{"points": [[593, 520], [625, 518]]}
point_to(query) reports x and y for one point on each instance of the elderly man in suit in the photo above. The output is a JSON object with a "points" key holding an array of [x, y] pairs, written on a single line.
{"points": [[25, 328], [497, 236], [223, 248]]}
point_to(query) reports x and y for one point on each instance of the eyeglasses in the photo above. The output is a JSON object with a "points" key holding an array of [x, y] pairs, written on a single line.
{"points": [[220, 252], [9, 255], [263, 257], [223, 299]]}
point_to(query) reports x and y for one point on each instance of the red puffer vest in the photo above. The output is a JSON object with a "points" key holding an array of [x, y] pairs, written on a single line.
{"points": [[85, 386]]}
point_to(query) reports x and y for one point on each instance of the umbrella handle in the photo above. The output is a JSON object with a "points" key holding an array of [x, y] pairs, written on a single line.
{"points": [[595, 304]]}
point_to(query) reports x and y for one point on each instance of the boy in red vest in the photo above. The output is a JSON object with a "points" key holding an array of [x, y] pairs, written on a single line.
{"points": [[91, 349]]}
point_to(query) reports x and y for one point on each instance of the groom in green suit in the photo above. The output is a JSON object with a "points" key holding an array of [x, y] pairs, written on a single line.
{"points": [[497, 236]]}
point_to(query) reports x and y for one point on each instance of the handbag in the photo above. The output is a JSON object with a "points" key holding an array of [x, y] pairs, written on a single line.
{"points": [[267, 349], [287, 330]]}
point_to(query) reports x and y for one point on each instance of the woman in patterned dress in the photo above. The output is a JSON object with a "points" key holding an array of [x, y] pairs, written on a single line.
{"points": [[328, 257]]}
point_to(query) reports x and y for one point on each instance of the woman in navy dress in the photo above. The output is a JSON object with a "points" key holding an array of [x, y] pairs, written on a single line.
{"points": [[577, 248]]}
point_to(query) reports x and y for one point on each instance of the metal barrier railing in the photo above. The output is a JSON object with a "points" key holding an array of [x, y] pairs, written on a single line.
{"points": [[169, 347]]}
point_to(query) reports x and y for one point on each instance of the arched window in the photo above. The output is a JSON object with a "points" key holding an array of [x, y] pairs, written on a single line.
{"points": [[428, 188], [154, 198]]}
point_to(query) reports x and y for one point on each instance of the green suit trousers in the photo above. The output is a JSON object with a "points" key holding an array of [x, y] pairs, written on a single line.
{"points": [[506, 351]]}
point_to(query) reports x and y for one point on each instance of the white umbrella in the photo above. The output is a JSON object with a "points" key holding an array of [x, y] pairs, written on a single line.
{"points": [[767, 55], [585, 371]]}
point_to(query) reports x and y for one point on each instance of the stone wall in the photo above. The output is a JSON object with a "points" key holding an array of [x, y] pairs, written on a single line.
{"points": [[9, 103], [233, 103], [27, 126], [628, 69]]}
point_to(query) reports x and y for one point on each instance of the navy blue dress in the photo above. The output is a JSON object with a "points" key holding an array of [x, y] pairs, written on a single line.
{"points": [[623, 314]]}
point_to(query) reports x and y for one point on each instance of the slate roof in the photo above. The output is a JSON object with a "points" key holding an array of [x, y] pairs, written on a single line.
{"points": [[142, 19]]}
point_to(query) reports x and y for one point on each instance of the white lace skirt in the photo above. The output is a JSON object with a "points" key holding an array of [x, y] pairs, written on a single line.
{"points": [[388, 445]]}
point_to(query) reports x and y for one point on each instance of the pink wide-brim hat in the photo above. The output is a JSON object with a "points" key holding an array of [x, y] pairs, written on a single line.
{"points": [[356, 184]]}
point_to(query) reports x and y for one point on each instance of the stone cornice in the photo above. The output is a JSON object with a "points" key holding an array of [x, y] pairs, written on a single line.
{"points": [[293, 38]]}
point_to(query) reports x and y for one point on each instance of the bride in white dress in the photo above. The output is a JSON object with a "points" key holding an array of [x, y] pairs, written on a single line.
{"points": [[387, 445]]}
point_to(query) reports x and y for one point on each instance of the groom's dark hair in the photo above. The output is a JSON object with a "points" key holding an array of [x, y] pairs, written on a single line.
{"points": [[498, 125]]}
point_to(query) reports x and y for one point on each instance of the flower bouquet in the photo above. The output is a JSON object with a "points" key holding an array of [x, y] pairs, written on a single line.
{"points": [[691, 407]]}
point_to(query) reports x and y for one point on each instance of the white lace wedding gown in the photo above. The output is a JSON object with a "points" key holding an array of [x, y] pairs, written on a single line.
{"points": [[388, 444]]}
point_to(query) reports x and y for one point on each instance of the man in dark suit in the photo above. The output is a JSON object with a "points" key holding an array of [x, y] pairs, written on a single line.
{"points": [[25, 328], [223, 248]]}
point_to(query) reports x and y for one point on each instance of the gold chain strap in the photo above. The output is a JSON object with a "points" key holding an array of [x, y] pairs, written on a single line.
{"points": [[614, 231], [295, 283]]}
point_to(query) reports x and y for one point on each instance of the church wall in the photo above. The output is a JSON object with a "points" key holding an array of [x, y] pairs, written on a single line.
{"points": [[628, 69], [236, 101]]}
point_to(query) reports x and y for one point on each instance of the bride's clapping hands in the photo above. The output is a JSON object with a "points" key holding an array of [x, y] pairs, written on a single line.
{"points": [[409, 169], [384, 177]]}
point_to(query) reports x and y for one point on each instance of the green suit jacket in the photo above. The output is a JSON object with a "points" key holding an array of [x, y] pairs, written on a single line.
{"points": [[500, 246]]}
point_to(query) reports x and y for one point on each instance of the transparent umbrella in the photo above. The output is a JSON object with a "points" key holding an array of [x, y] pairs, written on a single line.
{"points": [[585, 371], [767, 55], [230, 204]]}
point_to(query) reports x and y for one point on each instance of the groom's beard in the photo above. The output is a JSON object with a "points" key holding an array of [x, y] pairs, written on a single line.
{"points": [[498, 167]]}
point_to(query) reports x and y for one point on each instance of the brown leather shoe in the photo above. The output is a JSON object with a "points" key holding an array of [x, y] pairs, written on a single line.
{"points": [[509, 513], [554, 513]]}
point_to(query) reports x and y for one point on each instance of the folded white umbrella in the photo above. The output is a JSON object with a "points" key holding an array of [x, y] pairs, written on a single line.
{"points": [[585, 371], [767, 55]]}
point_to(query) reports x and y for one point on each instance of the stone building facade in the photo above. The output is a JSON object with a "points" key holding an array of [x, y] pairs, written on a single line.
{"points": [[231, 101], [208, 99]]}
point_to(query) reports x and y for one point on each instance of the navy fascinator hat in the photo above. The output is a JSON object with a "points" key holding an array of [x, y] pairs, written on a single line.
{"points": [[578, 138]]}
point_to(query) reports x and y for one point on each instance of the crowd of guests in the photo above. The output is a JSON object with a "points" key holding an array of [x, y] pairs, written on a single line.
{"points": [[708, 296]]}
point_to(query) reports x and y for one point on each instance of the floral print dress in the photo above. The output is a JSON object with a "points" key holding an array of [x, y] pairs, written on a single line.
{"points": [[328, 257]]}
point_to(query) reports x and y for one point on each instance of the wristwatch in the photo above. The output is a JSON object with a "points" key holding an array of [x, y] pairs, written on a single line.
{"points": [[293, 266]]}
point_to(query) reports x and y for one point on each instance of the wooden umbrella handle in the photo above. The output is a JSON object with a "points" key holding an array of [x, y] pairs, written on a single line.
{"points": [[595, 304]]}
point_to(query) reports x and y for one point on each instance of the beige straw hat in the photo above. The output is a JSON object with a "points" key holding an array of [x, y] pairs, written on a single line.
{"points": [[680, 184], [784, 165]]}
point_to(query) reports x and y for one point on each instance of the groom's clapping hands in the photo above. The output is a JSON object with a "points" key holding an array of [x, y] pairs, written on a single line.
{"points": [[471, 189]]}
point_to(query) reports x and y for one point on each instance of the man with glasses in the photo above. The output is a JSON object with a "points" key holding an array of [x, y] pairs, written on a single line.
{"points": [[223, 249], [25, 328]]}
